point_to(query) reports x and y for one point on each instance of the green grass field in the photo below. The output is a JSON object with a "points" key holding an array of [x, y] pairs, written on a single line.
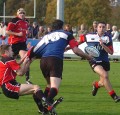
{"points": [[76, 89]]}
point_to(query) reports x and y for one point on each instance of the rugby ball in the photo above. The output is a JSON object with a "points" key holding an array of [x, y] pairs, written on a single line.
{"points": [[91, 50]]}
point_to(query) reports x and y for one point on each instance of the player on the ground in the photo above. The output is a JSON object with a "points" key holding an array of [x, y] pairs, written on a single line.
{"points": [[51, 50], [9, 69], [16, 30], [103, 43]]}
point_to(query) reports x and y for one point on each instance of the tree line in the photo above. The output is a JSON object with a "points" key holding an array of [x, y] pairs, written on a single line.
{"points": [[76, 12]]}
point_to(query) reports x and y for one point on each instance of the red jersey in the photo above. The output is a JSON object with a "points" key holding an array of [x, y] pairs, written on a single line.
{"points": [[8, 66], [17, 25]]}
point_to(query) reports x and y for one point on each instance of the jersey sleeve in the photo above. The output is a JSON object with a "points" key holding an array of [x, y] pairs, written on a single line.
{"points": [[30, 53], [82, 38], [10, 26], [110, 43], [72, 42]]}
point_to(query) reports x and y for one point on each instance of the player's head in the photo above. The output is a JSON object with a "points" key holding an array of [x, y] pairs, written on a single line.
{"points": [[101, 27], [6, 49], [21, 13], [57, 24]]}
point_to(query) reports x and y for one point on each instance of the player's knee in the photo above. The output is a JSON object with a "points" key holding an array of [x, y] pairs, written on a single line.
{"points": [[36, 87], [101, 84]]}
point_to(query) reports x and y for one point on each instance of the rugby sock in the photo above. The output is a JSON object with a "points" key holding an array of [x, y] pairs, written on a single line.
{"points": [[46, 92], [112, 94], [38, 102], [40, 95], [96, 84], [53, 92]]}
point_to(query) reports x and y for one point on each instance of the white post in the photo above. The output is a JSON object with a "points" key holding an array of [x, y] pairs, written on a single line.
{"points": [[60, 9], [4, 12], [34, 8]]}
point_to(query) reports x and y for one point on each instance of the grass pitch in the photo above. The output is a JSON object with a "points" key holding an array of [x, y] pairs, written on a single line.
{"points": [[75, 88]]}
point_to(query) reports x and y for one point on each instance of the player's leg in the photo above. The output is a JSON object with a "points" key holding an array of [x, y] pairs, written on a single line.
{"points": [[38, 95], [52, 66], [97, 84], [47, 89], [55, 83], [106, 82], [56, 68]]}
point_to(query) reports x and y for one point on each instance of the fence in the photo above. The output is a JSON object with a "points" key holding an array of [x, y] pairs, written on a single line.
{"points": [[70, 54]]}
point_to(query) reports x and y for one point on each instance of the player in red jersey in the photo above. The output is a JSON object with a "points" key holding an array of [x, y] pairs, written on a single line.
{"points": [[16, 30], [9, 69]]}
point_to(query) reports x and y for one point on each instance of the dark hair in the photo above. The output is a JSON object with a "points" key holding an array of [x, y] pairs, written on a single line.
{"points": [[101, 23], [3, 48], [57, 24]]}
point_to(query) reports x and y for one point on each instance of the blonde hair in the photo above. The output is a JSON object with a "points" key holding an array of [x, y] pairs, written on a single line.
{"points": [[20, 10]]}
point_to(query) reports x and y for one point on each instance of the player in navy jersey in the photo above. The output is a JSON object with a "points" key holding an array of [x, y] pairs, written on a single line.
{"points": [[16, 30], [51, 50], [103, 43], [9, 69]]}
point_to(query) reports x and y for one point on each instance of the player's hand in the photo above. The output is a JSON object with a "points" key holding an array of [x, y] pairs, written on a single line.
{"points": [[101, 41], [26, 60], [20, 34], [92, 60]]}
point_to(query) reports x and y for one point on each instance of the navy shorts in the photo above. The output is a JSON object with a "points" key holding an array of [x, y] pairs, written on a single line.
{"points": [[105, 65], [11, 89], [51, 66], [19, 46]]}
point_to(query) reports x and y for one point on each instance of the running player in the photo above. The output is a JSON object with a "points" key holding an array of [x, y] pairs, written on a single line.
{"points": [[51, 50], [16, 30], [103, 42]]}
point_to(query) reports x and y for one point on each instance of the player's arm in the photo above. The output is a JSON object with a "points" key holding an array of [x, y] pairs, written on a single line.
{"points": [[80, 53], [14, 33], [29, 54], [67, 48], [74, 46], [108, 49], [80, 41], [23, 69]]}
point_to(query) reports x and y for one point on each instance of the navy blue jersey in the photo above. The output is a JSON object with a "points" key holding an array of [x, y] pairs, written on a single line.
{"points": [[93, 40], [54, 43]]}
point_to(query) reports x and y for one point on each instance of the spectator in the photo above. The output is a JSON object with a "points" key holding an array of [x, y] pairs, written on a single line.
{"points": [[35, 30], [41, 32], [115, 34], [82, 30], [68, 28], [30, 31], [94, 27], [3, 32], [108, 29], [49, 29]]}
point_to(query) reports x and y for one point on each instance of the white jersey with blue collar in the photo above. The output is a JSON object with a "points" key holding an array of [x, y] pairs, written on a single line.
{"points": [[93, 40]]}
